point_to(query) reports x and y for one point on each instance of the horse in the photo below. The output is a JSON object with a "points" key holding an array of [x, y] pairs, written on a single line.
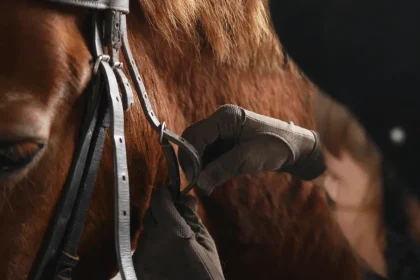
{"points": [[194, 57]]}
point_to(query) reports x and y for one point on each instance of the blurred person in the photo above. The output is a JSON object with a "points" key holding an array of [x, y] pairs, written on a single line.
{"points": [[379, 219], [353, 181]]}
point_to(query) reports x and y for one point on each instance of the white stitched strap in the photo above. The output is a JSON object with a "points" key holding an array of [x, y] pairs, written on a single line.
{"points": [[121, 181]]}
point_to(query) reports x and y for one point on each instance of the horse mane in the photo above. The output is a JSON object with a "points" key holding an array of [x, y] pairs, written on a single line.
{"points": [[238, 32]]}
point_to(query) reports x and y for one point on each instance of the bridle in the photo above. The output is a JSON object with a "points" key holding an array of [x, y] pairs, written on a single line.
{"points": [[105, 108]]}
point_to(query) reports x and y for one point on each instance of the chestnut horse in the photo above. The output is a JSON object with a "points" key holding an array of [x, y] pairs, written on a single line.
{"points": [[194, 57]]}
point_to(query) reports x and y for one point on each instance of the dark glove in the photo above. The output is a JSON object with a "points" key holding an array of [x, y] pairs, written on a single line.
{"points": [[246, 143], [175, 244]]}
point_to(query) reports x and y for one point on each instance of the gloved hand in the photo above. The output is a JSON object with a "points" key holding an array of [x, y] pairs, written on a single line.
{"points": [[243, 142], [175, 245]]}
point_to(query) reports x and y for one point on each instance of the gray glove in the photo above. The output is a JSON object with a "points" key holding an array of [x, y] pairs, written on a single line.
{"points": [[175, 245], [234, 141]]}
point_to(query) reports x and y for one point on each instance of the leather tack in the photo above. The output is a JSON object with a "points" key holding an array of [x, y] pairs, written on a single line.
{"points": [[105, 108]]}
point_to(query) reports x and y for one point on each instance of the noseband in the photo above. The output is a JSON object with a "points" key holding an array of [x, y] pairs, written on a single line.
{"points": [[108, 95]]}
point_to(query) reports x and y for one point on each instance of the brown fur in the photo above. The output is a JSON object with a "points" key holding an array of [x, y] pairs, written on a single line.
{"points": [[194, 56], [233, 29]]}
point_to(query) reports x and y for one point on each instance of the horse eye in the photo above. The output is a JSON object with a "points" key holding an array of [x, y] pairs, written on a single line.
{"points": [[17, 155]]}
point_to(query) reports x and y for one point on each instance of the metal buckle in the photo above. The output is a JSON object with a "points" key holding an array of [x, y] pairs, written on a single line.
{"points": [[99, 59], [162, 129], [118, 65]]}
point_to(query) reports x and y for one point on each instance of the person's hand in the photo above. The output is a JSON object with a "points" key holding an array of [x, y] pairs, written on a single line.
{"points": [[234, 141], [174, 244]]}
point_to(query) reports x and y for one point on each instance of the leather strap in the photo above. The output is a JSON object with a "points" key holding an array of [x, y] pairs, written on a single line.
{"points": [[64, 208], [121, 182], [68, 257], [113, 40], [82, 180], [127, 93], [172, 164], [76, 195], [117, 5], [154, 122]]}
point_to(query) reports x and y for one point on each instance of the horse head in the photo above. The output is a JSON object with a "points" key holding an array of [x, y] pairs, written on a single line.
{"points": [[195, 56]]}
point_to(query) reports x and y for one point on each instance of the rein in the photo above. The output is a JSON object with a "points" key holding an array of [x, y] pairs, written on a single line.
{"points": [[105, 108]]}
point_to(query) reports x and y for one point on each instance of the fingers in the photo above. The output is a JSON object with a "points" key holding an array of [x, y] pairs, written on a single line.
{"points": [[189, 202], [166, 215], [199, 135], [225, 124], [263, 154], [219, 171], [310, 167], [149, 221], [189, 207]]}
